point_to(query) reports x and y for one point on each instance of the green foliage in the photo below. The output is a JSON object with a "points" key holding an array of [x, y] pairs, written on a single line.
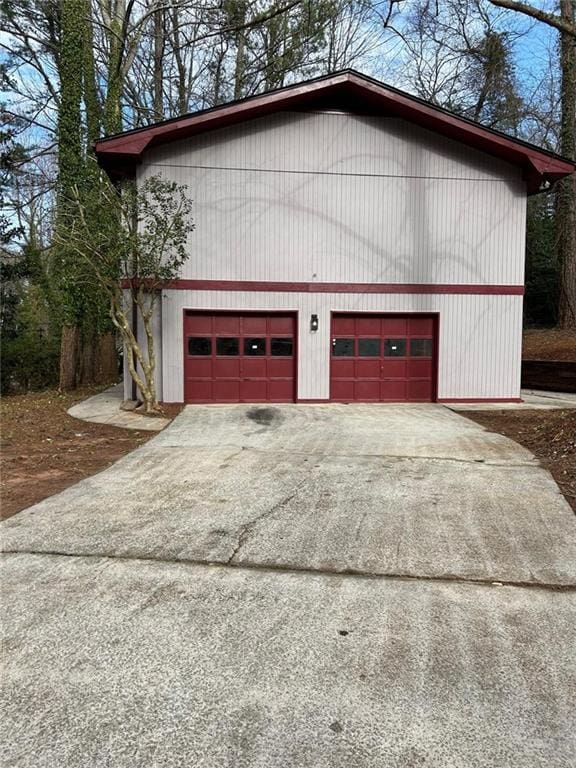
{"points": [[498, 101], [12, 156], [157, 232], [139, 234], [70, 157], [30, 346], [70, 64], [542, 268]]}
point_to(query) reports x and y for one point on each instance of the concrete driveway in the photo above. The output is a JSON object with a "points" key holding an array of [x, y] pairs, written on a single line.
{"points": [[296, 586]]}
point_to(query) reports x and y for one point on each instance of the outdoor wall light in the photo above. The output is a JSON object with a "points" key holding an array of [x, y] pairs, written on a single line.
{"points": [[313, 322]]}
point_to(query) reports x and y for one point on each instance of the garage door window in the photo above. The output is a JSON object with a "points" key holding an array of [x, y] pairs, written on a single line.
{"points": [[395, 348], [255, 347], [368, 347], [421, 347], [227, 347], [343, 347], [281, 347], [199, 345]]}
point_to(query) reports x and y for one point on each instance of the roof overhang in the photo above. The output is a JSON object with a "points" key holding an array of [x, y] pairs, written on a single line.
{"points": [[349, 91]]}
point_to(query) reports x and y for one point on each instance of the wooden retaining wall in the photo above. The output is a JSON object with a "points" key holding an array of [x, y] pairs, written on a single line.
{"points": [[553, 375]]}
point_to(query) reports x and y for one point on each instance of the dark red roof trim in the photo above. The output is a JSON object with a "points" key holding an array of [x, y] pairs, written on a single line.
{"points": [[347, 90]]}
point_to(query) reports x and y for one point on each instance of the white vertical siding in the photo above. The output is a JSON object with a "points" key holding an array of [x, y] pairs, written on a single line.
{"points": [[479, 341], [343, 198]]}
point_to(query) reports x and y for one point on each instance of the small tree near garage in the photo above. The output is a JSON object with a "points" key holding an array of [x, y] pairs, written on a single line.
{"points": [[134, 242]]}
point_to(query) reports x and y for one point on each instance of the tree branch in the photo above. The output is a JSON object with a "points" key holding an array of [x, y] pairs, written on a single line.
{"points": [[535, 13]]}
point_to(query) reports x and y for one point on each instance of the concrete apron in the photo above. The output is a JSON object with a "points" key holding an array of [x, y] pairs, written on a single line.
{"points": [[395, 490], [349, 617]]}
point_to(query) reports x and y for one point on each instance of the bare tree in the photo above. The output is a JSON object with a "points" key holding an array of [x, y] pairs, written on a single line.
{"points": [[565, 23]]}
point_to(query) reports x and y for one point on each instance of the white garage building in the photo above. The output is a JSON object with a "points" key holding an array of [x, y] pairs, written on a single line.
{"points": [[352, 243]]}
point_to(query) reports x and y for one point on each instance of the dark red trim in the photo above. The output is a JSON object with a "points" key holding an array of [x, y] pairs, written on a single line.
{"points": [[270, 287], [479, 400], [352, 92]]}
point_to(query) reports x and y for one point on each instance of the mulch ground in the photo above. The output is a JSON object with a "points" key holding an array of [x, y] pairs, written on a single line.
{"points": [[550, 435], [549, 344], [44, 450]]}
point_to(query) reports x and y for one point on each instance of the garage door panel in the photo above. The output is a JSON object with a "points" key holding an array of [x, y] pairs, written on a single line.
{"points": [[254, 391], [226, 324], [254, 367], [393, 391], [420, 369], [368, 368], [421, 325], [199, 367], [394, 369], [367, 391], [198, 324], [280, 325], [198, 391], [383, 358], [394, 326], [343, 367], [343, 326], [226, 368], [420, 390], [279, 391], [343, 390], [368, 326], [280, 367], [255, 325], [225, 391]]}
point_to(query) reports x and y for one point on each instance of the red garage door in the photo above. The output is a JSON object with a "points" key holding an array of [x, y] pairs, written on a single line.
{"points": [[379, 358], [238, 358]]}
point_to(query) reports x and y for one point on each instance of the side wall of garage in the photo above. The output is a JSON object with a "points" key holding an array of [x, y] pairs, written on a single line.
{"points": [[479, 343]]}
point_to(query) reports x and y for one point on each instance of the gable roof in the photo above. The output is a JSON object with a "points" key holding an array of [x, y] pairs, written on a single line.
{"points": [[347, 90]]}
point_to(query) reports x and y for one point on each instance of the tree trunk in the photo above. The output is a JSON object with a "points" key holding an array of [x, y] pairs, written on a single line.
{"points": [[116, 42], [158, 60], [91, 98], [240, 63], [107, 359], [87, 376], [70, 173], [566, 193], [69, 347], [181, 78]]}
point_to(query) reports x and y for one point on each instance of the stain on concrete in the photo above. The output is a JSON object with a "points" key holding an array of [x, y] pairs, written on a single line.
{"points": [[267, 417]]}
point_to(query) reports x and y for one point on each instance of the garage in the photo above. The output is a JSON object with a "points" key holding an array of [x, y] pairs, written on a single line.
{"points": [[383, 358], [239, 358]]}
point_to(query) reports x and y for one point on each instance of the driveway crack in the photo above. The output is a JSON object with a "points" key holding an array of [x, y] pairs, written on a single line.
{"points": [[493, 582], [246, 528]]}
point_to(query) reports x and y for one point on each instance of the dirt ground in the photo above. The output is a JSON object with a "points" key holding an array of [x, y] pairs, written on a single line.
{"points": [[549, 344], [550, 435], [44, 450]]}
